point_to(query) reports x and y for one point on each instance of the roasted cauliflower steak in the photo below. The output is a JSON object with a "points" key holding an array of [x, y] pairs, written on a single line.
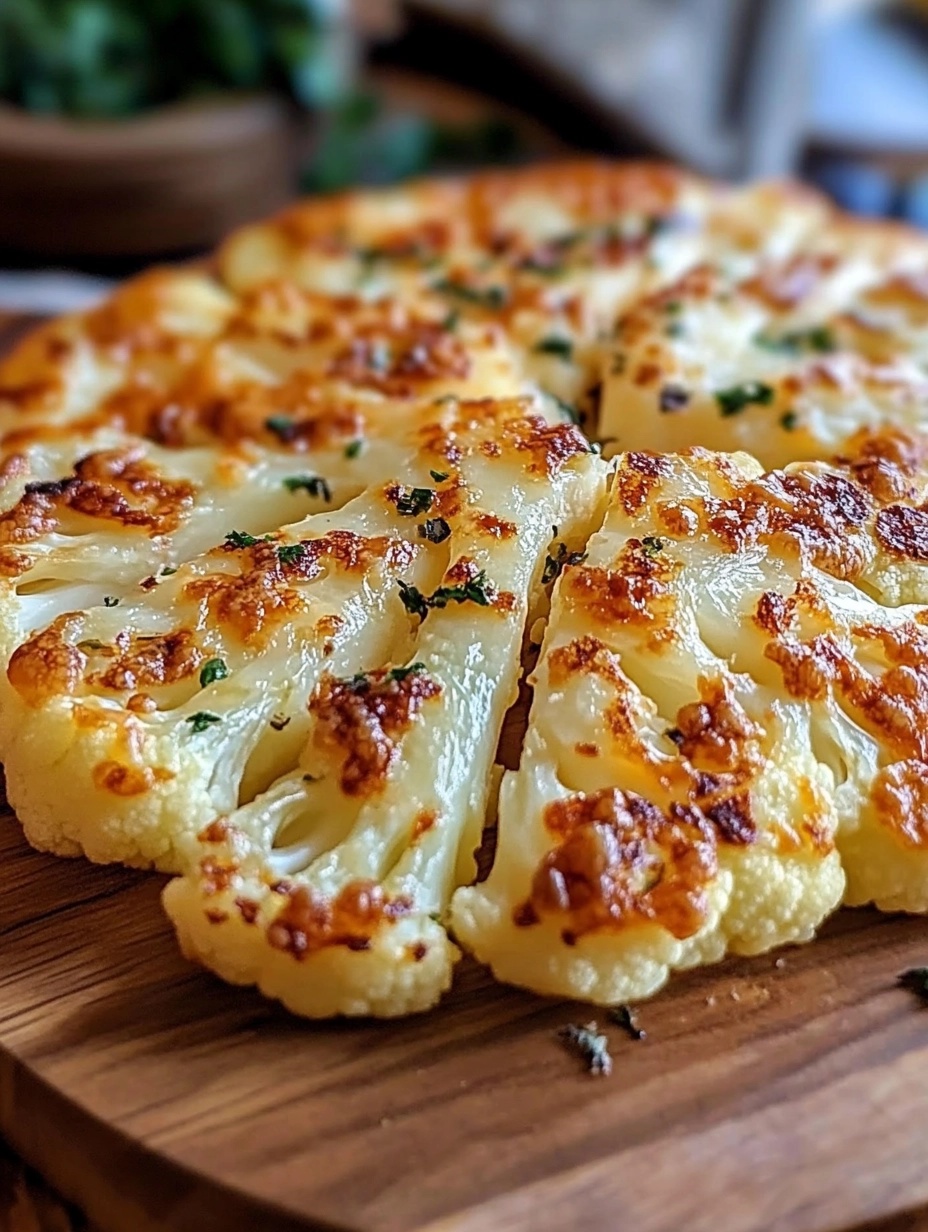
{"points": [[285, 535]]}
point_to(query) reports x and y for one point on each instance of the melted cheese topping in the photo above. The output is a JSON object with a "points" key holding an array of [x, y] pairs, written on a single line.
{"points": [[272, 533]]}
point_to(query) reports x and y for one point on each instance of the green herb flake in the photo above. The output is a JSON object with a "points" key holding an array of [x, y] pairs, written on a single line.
{"points": [[819, 339], [281, 426], [619, 361], [736, 398], [353, 449], [241, 539], [554, 565], [413, 600], [315, 485], [651, 545], [916, 981], [436, 530], [624, 1017], [110, 601], [202, 719], [167, 570], [589, 1045], [279, 721], [451, 321], [439, 476], [211, 671], [487, 297], [91, 643], [291, 553], [400, 673], [789, 420], [477, 590], [563, 348], [411, 502]]}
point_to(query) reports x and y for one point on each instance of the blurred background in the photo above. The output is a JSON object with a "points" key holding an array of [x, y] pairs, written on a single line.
{"points": [[134, 130]]}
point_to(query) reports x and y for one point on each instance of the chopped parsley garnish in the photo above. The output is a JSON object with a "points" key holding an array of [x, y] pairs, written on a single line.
{"points": [[555, 564], [652, 545], [673, 306], [202, 719], [91, 643], [734, 400], [400, 673], [412, 501], [488, 297], [439, 476], [818, 339], [451, 321], [241, 539], [623, 1017], [916, 981], [312, 778], [291, 553], [675, 329], [589, 1045], [618, 363], [110, 601], [673, 398], [436, 530], [414, 601], [211, 671], [563, 348], [315, 485], [282, 426], [789, 420], [476, 590], [279, 721], [674, 735], [353, 449], [166, 571]]}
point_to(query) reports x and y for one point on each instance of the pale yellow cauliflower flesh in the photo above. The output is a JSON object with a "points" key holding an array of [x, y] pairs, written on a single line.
{"points": [[724, 739]]}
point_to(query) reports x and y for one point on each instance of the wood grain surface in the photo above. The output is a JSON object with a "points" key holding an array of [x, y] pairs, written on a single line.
{"points": [[786, 1093]]}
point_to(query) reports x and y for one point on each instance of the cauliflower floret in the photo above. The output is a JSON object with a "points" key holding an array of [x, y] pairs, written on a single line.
{"points": [[120, 708], [725, 724], [328, 890], [789, 362]]}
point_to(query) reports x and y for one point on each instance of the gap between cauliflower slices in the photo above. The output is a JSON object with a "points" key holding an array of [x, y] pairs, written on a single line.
{"points": [[328, 891], [725, 738]]}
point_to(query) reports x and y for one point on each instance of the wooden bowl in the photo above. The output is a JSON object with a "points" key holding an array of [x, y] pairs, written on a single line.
{"points": [[173, 180]]}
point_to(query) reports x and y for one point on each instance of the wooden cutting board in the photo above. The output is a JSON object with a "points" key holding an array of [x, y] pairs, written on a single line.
{"points": [[765, 1097], [786, 1093]]}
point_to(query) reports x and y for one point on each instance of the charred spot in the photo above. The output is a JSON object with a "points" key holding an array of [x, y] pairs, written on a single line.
{"points": [[900, 796], [46, 665], [733, 821], [144, 662], [903, 532], [773, 613], [549, 446], [637, 477], [216, 832], [361, 726], [423, 821], [310, 921], [398, 364], [248, 909], [497, 528], [217, 875], [715, 733], [621, 861], [636, 591]]}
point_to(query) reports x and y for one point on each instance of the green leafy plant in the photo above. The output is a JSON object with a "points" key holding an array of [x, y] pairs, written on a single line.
{"points": [[104, 58]]}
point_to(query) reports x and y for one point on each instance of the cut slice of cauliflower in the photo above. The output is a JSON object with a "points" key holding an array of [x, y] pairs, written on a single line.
{"points": [[726, 712], [120, 708], [789, 362], [328, 890]]}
